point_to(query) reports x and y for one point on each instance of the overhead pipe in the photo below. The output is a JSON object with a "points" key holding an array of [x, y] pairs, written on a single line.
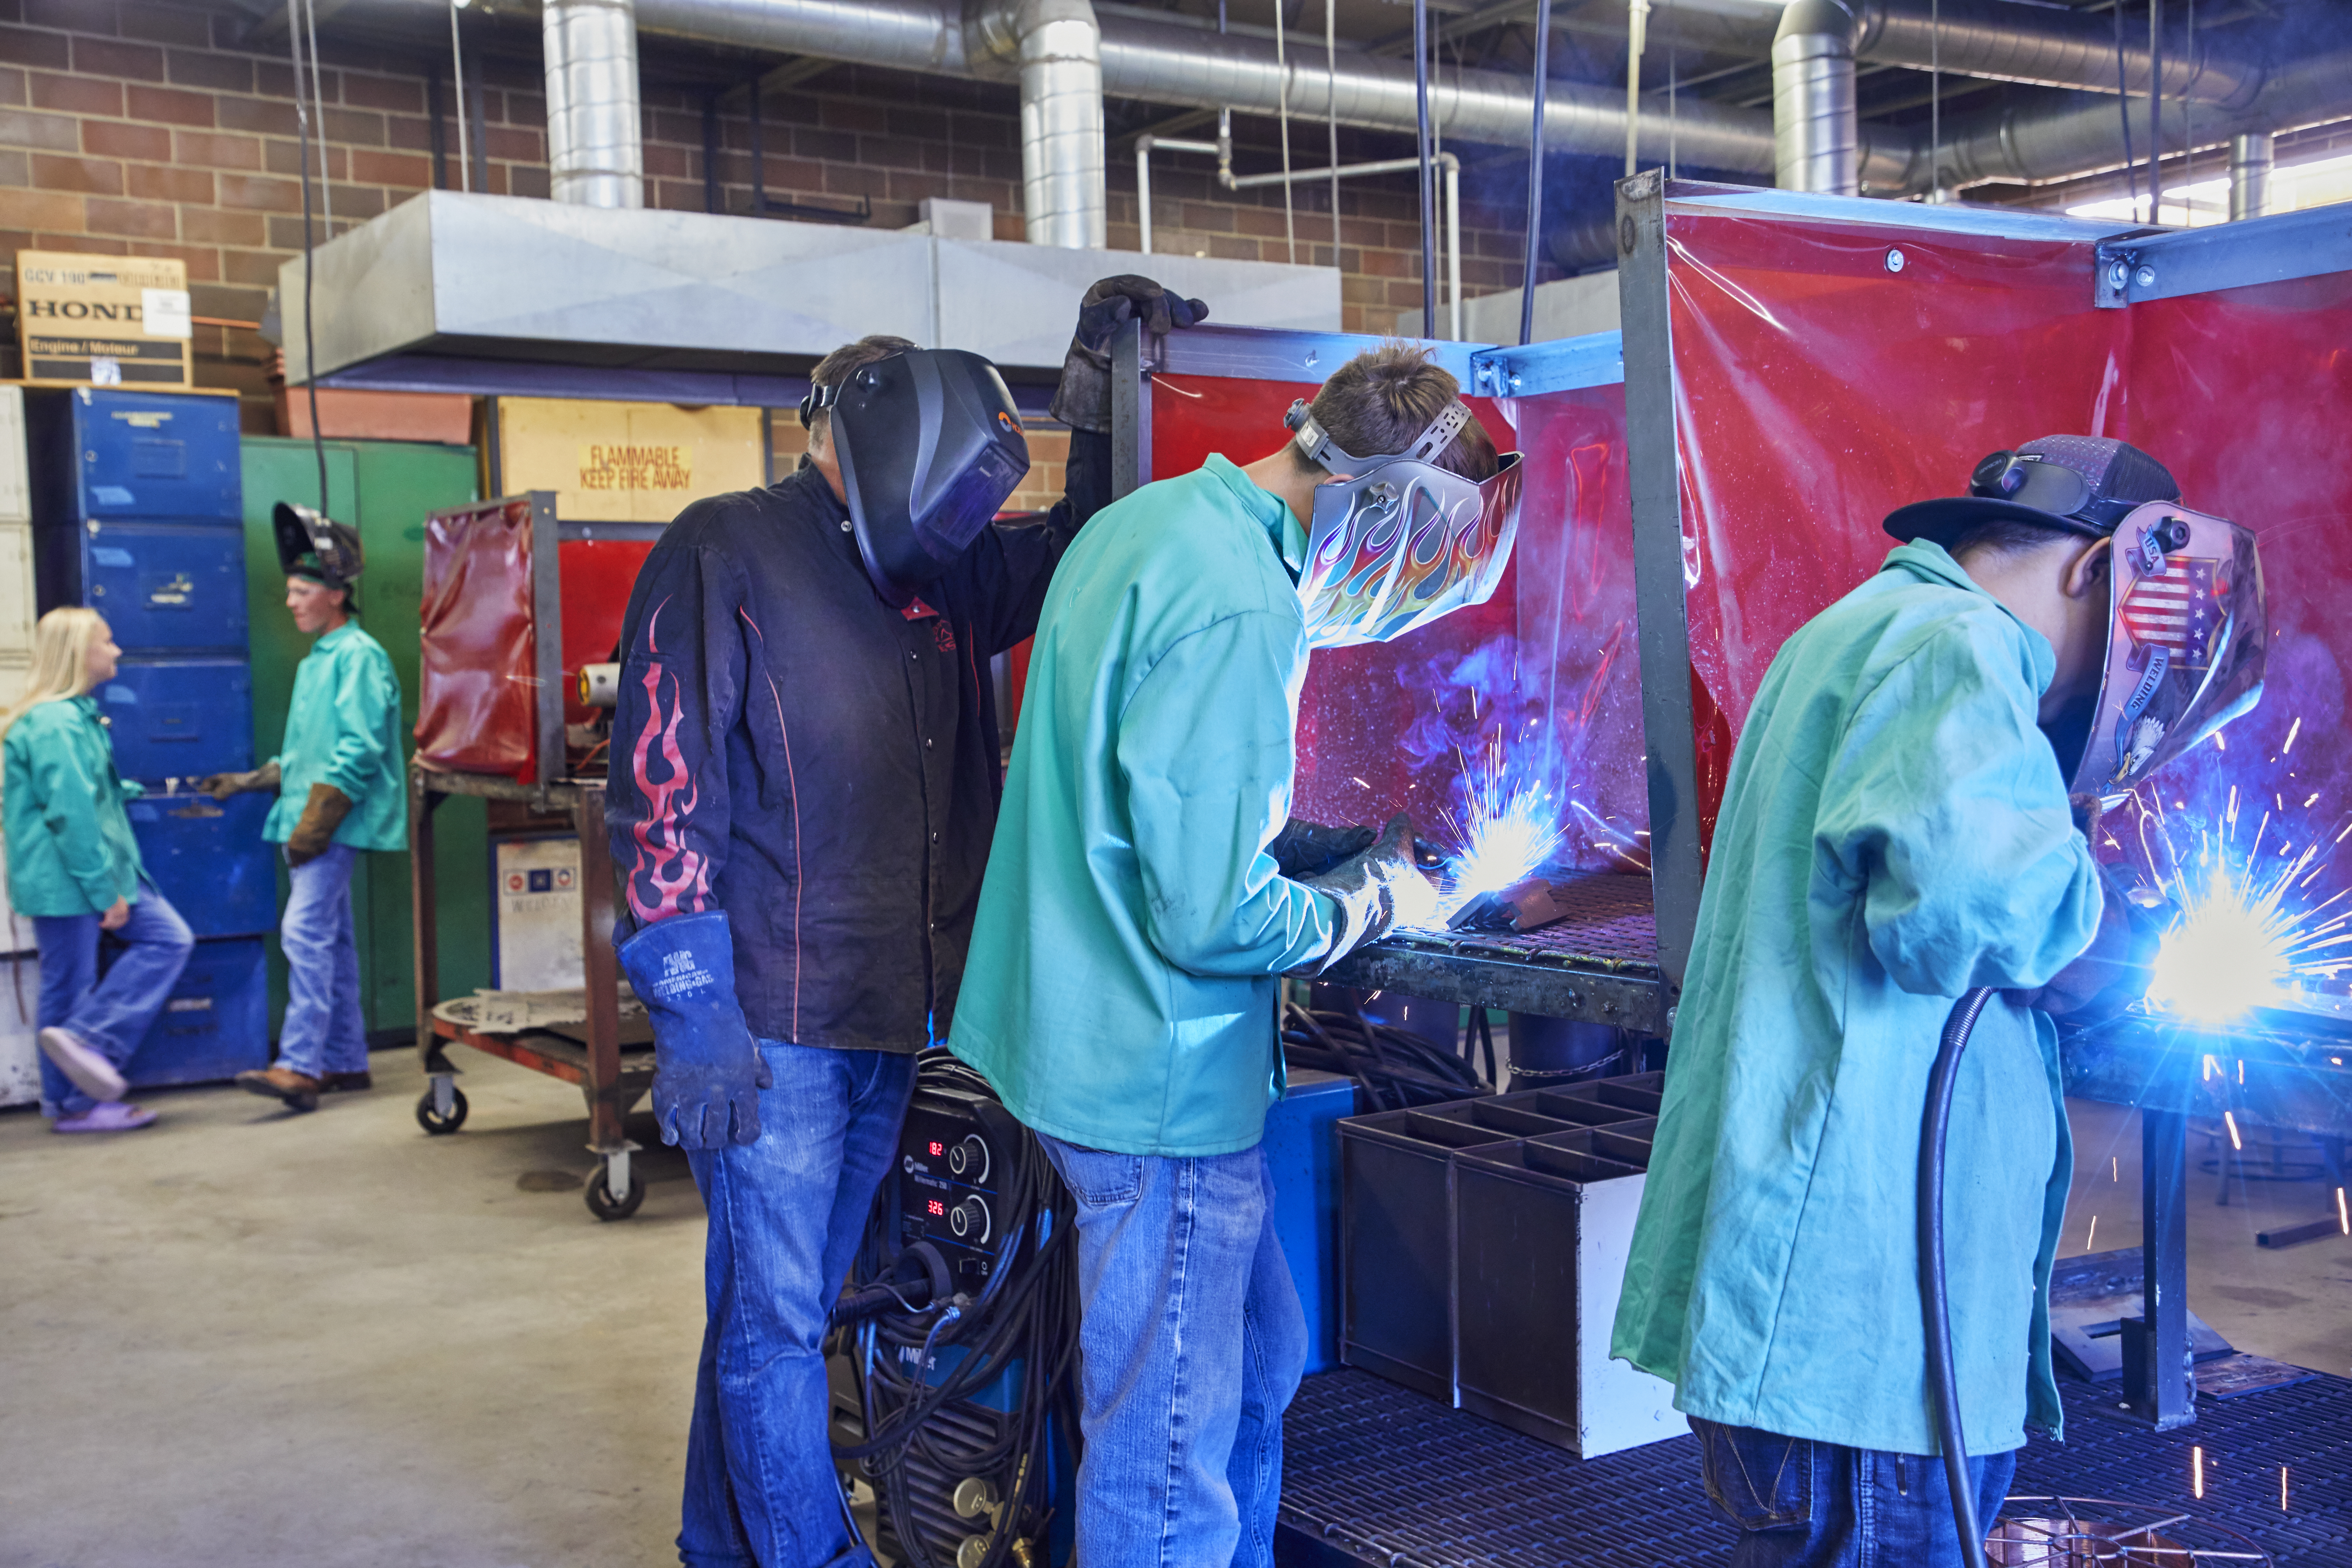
{"points": [[1816, 135], [1058, 47], [2084, 135], [595, 146]]}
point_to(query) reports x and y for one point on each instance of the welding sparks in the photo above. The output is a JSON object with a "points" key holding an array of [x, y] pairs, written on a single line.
{"points": [[2196, 1470], [2343, 1217], [2237, 1144], [2237, 944], [1510, 830], [2091, 1242]]}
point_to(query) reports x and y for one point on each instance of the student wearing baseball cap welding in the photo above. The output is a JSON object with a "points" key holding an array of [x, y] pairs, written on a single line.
{"points": [[340, 793], [1897, 829]]}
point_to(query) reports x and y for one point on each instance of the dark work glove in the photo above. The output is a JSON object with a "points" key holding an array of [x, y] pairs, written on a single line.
{"points": [[1304, 849], [708, 1070], [2114, 971], [1082, 401], [322, 815], [1369, 888], [220, 786]]}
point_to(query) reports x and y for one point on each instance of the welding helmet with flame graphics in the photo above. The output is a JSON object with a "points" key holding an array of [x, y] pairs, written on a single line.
{"points": [[2185, 638], [930, 447], [1396, 541]]}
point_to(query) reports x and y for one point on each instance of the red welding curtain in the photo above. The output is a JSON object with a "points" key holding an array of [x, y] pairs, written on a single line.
{"points": [[1539, 685], [1815, 391], [474, 711]]}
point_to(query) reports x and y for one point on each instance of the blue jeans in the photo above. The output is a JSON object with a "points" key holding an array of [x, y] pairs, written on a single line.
{"points": [[1190, 1347], [786, 1215], [1802, 1504], [324, 1030], [112, 1015]]}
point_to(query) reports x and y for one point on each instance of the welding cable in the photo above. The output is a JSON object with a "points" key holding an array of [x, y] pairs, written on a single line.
{"points": [[1395, 1067], [1935, 1295]]}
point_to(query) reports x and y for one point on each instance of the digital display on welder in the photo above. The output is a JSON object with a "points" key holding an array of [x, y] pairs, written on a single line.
{"points": [[939, 1209], [944, 1165], [938, 1149]]}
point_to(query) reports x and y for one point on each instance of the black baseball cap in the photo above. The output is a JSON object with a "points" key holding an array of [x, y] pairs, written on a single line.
{"points": [[2083, 484]]}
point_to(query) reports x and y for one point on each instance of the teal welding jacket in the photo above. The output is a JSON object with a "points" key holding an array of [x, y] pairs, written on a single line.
{"points": [[342, 728], [70, 849], [1895, 831], [1121, 991]]}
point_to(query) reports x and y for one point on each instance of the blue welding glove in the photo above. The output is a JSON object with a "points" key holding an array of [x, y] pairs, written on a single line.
{"points": [[1374, 892], [708, 1070], [2115, 971]]}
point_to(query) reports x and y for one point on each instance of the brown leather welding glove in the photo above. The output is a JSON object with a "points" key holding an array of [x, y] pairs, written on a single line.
{"points": [[220, 786], [1082, 399], [2115, 971], [322, 815]]}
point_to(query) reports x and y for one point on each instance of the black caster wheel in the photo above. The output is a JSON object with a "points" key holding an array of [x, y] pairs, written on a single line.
{"points": [[433, 1121], [603, 1205]]}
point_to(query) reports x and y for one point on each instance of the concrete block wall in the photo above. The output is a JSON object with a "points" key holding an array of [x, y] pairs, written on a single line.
{"points": [[152, 127]]}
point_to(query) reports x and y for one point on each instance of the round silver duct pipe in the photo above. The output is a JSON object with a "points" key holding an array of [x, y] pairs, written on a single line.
{"points": [[596, 145], [2250, 154], [1056, 46], [2050, 48], [2084, 136], [1815, 134]]}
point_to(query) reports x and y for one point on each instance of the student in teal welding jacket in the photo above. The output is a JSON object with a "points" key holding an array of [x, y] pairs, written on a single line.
{"points": [[1121, 986], [340, 793], [1895, 830]]}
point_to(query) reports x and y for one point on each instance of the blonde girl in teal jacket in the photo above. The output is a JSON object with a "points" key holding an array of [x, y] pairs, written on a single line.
{"points": [[74, 869]]}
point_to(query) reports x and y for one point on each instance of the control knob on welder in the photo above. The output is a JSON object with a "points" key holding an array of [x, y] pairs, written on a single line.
{"points": [[969, 1220], [968, 1160]]}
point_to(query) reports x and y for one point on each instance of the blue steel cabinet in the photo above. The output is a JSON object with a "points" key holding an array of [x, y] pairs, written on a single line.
{"points": [[111, 454], [209, 859], [1302, 1156], [216, 1022], [179, 718], [161, 586]]}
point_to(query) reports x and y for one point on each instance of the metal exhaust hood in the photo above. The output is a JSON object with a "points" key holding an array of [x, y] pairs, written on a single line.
{"points": [[451, 291]]}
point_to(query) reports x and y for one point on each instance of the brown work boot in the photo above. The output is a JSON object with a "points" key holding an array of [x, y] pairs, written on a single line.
{"points": [[340, 1082], [300, 1090]]}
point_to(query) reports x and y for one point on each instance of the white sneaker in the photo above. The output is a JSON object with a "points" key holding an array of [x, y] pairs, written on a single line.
{"points": [[90, 1071]]}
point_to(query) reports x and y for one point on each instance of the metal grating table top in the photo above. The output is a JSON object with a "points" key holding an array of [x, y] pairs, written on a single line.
{"points": [[1377, 1474], [1599, 964]]}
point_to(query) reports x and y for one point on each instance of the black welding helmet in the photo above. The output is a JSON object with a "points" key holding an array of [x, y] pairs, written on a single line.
{"points": [[2187, 632], [930, 447], [1396, 541], [312, 544]]}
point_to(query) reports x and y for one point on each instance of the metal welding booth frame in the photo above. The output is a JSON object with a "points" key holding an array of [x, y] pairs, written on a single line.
{"points": [[1997, 318]]}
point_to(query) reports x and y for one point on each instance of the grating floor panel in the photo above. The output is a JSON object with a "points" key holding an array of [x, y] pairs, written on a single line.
{"points": [[1385, 1477], [1611, 925]]}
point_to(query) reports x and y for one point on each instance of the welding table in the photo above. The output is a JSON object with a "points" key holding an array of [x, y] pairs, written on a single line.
{"points": [[1599, 964], [610, 1081]]}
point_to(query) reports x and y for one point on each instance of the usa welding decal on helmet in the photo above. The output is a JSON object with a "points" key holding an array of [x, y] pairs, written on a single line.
{"points": [[1396, 541], [2187, 634]]}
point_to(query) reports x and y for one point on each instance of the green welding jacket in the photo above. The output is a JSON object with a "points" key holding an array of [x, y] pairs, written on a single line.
{"points": [[1895, 832], [342, 728], [1121, 991], [70, 851]]}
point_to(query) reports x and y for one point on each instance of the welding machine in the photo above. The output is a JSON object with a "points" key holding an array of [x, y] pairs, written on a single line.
{"points": [[955, 1365]]}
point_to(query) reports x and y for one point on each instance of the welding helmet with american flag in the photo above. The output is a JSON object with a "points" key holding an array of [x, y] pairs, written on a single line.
{"points": [[2187, 634]]}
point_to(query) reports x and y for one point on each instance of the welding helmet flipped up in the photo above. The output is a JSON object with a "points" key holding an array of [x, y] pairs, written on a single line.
{"points": [[930, 447], [1398, 542], [312, 544], [2187, 634]]}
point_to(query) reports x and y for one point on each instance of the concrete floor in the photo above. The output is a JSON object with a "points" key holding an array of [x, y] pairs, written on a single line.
{"points": [[244, 1337]]}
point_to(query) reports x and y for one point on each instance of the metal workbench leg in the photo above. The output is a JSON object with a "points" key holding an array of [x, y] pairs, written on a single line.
{"points": [[442, 1108], [2157, 1377], [613, 1192]]}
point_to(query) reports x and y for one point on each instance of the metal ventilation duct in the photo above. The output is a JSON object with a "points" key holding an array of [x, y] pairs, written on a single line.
{"points": [[595, 149], [1814, 130], [1056, 46]]}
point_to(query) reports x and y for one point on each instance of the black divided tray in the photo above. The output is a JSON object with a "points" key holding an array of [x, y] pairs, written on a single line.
{"points": [[1374, 1474]]}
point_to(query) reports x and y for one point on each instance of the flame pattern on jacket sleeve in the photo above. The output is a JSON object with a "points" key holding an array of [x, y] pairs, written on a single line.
{"points": [[678, 876]]}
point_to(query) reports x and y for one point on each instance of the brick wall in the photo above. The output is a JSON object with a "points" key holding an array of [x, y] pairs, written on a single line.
{"points": [[148, 127]]}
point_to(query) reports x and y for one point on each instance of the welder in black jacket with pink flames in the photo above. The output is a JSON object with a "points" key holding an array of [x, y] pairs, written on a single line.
{"points": [[804, 781]]}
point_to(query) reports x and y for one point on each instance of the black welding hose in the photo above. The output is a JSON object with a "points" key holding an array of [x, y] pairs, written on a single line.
{"points": [[1935, 1295]]}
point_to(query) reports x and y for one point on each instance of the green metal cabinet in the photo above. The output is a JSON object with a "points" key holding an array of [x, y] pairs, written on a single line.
{"points": [[384, 488]]}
